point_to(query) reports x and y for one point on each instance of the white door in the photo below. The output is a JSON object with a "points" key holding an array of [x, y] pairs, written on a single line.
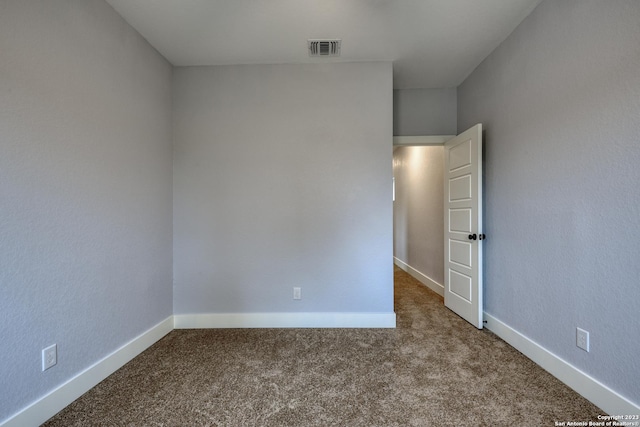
{"points": [[463, 225]]}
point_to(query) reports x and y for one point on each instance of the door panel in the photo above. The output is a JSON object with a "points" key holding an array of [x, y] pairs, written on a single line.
{"points": [[460, 220], [461, 253], [460, 188], [463, 225], [460, 155], [460, 285]]}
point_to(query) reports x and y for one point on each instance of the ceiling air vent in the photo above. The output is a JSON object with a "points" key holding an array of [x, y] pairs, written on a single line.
{"points": [[324, 47]]}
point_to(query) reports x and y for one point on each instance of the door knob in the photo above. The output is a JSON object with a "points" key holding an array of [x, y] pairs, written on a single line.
{"points": [[472, 236], [481, 237]]}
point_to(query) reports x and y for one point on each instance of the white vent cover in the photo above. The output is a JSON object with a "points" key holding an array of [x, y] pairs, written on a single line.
{"points": [[330, 47]]}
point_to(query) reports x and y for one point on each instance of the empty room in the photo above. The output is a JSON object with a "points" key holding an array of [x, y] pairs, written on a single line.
{"points": [[319, 212]]}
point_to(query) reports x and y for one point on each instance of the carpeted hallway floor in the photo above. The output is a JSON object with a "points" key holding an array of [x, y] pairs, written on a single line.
{"points": [[433, 370]]}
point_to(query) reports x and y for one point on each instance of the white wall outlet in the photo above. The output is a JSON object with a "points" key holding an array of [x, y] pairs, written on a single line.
{"points": [[297, 293], [49, 357], [582, 339]]}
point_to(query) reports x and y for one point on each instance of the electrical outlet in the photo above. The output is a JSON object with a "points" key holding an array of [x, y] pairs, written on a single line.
{"points": [[297, 293], [49, 357], [582, 339]]}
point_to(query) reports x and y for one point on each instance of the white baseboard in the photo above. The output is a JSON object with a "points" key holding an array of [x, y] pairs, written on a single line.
{"points": [[420, 277], [49, 405], [285, 320], [597, 393], [44, 408]]}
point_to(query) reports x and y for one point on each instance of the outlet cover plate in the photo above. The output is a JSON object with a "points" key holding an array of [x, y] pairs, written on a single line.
{"points": [[49, 357], [582, 339]]}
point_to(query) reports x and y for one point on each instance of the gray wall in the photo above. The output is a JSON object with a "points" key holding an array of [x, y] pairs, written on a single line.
{"points": [[418, 211], [559, 100], [419, 112], [282, 178], [85, 190]]}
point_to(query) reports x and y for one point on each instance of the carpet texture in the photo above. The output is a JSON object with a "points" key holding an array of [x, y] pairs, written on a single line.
{"points": [[433, 370]]}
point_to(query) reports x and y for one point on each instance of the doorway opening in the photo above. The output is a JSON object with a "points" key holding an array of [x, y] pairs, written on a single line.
{"points": [[418, 209], [437, 217]]}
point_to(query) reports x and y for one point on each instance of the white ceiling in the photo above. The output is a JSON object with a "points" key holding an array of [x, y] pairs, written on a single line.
{"points": [[432, 43]]}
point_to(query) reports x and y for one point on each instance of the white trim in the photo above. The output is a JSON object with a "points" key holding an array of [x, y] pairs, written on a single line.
{"points": [[599, 394], [285, 320], [421, 140], [420, 277], [52, 403]]}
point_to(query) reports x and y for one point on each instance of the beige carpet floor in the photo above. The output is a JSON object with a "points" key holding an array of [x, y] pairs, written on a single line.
{"points": [[434, 369]]}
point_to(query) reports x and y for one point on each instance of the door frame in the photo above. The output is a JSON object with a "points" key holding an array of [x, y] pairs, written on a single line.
{"points": [[414, 141], [424, 140], [421, 140]]}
